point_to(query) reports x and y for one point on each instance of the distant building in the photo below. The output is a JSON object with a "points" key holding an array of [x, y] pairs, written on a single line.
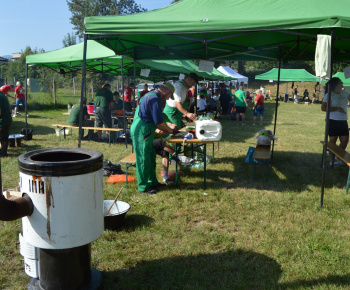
{"points": [[3, 60], [16, 55]]}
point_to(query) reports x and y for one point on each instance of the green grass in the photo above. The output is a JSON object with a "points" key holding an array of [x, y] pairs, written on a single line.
{"points": [[243, 234]]}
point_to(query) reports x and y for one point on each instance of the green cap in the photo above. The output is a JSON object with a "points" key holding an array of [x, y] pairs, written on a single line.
{"points": [[170, 87]]}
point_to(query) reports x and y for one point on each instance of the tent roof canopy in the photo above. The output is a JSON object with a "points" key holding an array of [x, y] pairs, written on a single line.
{"points": [[206, 29], [230, 72], [102, 59], [288, 75]]}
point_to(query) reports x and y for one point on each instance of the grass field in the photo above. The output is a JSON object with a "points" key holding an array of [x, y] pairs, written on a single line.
{"points": [[237, 234]]}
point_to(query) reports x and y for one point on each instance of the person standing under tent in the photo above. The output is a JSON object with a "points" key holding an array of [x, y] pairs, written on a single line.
{"points": [[20, 98], [241, 104], [258, 107], [148, 117], [5, 122], [174, 109], [338, 116], [103, 106], [296, 94], [128, 93]]}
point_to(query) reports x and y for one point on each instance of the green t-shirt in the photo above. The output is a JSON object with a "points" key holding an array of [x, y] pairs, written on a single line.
{"points": [[103, 98], [5, 117], [73, 118], [239, 98], [118, 106]]}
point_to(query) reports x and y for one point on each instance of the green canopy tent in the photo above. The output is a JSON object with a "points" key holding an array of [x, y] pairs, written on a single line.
{"points": [[346, 82], [280, 31], [288, 75]]}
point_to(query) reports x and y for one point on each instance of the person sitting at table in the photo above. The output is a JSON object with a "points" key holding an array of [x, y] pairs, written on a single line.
{"points": [[118, 108], [103, 106], [73, 119], [212, 105], [201, 104]]}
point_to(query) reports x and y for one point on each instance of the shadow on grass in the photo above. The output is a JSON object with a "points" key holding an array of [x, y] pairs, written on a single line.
{"points": [[334, 280], [288, 171], [231, 270], [17, 125], [134, 221]]}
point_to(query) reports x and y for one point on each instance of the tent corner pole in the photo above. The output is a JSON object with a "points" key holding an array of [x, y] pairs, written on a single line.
{"points": [[83, 80], [26, 99], [329, 98], [277, 96]]}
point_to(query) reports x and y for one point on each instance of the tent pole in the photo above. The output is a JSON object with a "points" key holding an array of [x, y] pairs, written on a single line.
{"points": [[124, 125], [278, 91], [329, 98], [82, 90], [26, 98]]}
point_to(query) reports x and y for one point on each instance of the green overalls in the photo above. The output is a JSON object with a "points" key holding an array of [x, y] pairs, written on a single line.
{"points": [[142, 135]]}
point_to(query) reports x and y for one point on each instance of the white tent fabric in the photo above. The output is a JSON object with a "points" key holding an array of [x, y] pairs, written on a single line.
{"points": [[230, 72]]}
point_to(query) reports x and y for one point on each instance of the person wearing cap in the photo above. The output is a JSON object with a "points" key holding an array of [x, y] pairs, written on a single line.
{"points": [[7, 88], [148, 117], [174, 108]]}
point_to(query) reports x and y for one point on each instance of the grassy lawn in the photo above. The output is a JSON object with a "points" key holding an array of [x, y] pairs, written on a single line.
{"points": [[239, 233]]}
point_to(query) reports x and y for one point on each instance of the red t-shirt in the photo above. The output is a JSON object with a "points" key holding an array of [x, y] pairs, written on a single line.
{"points": [[5, 89], [259, 100], [127, 94], [144, 92], [20, 93]]}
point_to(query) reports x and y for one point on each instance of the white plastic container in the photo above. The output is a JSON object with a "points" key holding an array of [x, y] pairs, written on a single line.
{"points": [[208, 130]]}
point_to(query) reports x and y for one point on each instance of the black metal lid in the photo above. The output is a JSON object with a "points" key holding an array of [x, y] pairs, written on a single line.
{"points": [[60, 162]]}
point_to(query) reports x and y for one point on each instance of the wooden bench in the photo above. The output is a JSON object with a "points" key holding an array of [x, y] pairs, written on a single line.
{"points": [[129, 161], [262, 153], [60, 126], [341, 155]]}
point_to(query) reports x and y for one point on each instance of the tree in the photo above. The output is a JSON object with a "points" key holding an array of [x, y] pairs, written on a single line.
{"points": [[69, 39], [174, 1], [84, 8]]}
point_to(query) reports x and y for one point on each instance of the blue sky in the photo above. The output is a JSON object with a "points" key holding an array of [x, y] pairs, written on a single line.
{"points": [[42, 24]]}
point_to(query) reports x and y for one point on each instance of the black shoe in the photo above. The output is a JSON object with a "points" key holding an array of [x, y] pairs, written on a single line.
{"points": [[149, 191], [158, 185]]}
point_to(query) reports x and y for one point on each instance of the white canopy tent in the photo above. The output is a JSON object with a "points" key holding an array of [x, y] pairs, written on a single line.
{"points": [[230, 72]]}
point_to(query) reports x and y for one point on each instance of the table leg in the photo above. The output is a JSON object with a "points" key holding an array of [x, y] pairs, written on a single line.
{"points": [[126, 174], [348, 183], [64, 132], [109, 138], [176, 158], [212, 161], [205, 163]]}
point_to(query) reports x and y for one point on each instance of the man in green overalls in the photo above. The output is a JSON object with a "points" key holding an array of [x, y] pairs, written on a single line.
{"points": [[174, 109], [148, 117]]}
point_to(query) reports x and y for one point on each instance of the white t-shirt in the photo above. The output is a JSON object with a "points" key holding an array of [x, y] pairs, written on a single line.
{"points": [[180, 94], [338, 100], [201, 104]]}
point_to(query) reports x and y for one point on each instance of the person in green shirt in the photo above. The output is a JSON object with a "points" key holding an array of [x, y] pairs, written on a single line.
{"points": [[241, 104], [73, 119], [5, 122], [103, 106]]}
